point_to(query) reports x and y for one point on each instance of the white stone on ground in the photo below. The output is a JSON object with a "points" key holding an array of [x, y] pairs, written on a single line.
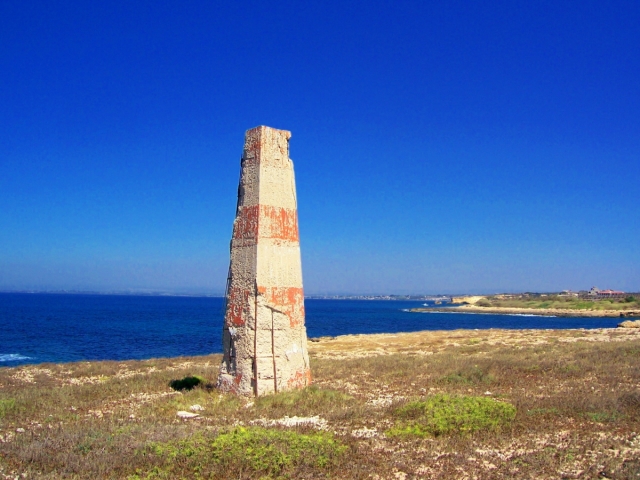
{"points": [[184, 414], [315, 422]]}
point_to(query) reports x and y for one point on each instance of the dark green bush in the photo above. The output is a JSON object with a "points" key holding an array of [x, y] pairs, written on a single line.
{"points": [[187, 383]]}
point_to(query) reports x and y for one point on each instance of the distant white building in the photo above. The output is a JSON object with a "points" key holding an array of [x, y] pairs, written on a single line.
{"points": [[610, 294], [568, 293], [597, 293]]}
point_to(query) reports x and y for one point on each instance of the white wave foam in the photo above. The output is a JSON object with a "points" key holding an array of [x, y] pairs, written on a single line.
{"points": [[12, 357]]}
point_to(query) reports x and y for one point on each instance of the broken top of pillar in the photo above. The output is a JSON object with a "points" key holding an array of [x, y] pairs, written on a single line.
{"points": [[267, 145]]}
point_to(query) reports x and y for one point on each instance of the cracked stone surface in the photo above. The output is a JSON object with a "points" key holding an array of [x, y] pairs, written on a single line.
{"points": [[264, 336]]}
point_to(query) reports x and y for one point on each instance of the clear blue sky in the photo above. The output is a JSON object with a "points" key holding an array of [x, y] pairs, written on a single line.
{"points": [[447, 146]]}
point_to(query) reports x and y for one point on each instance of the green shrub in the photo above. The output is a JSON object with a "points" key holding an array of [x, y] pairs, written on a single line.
{"points": [[246, 452], [442, 414], [187, 383], [272, 451]]}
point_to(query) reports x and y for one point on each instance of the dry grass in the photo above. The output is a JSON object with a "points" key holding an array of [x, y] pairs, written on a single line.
{"points": [[576, 394]]}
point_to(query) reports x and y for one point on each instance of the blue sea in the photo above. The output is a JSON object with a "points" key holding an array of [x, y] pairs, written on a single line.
{"points": [[36, 328]]}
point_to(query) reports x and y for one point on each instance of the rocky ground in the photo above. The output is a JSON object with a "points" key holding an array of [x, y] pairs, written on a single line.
{"points": [[576, 395]]}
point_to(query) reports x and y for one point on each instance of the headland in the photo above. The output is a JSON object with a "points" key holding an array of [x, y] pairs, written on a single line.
{"points": [[555, 305]]}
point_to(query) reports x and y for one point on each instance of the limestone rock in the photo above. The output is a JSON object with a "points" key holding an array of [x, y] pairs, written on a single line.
{"points": [[472, 300], [630, 324], [185, 414]]}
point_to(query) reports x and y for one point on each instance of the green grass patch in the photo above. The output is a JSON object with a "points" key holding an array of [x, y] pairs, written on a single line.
{"points": [[473, 375], [272, 451], [443, 414], [6, 405], [246, 452], [301, 402], [603, 417]]}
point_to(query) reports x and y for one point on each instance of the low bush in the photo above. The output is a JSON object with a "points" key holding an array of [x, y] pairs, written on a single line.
{"points": [[473, 375], [187, 383], [272, 451], [442, 414], [246, 452]]}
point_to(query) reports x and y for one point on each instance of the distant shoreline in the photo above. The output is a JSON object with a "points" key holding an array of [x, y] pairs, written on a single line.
{"points": [[545, 312]]}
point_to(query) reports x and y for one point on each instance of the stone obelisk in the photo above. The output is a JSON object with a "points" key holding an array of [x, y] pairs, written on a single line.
{"points": [[264, 336]]}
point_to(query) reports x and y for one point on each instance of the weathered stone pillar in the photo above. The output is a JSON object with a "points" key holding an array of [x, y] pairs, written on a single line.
{"points": [[264, 337]]}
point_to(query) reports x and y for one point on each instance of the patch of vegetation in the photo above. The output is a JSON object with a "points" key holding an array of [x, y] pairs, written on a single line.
{"points": [[443, 414], [310, 400], [6, 405], [630, 401], [629, 469], [603, 417], [632, 351], [474, 375], [272, 451], [187, 383], [247, 452], [543, 411], [570, 369]]}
